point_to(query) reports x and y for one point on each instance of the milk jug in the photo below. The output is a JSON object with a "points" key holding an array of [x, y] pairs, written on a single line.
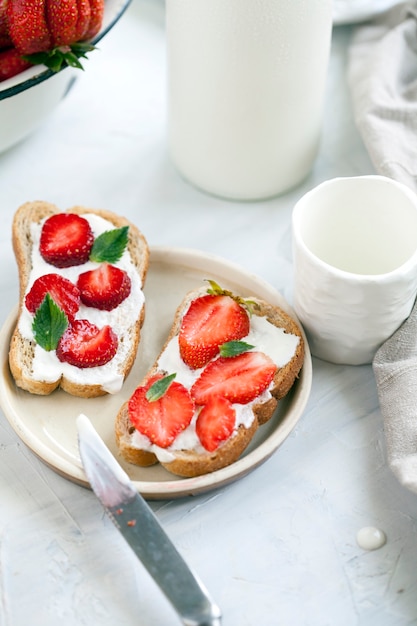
{"points": [[246, 83]]}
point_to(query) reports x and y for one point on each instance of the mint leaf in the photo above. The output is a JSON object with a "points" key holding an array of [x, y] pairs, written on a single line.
{"points": [[49, 324], [159, 388], [233, 348], [110, 245]]}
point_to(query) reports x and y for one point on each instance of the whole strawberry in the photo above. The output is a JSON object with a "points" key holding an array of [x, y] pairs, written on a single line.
{"points": [[5, 40], [11, 63], [51, 32]]}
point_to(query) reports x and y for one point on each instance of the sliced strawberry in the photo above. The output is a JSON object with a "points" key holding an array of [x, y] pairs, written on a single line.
{"points": [[210, 321], [65, 294], [11, 63], [215, 423], [240, 379], [105, 287], [161, 420], [85, 345], [96, 19], [66, 240], [62, 18], [27, 25]]}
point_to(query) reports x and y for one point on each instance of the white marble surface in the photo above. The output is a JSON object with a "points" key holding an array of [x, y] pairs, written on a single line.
{"points": [[279, 546]]}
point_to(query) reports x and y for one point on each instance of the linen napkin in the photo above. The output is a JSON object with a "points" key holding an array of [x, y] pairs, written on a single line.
{"points": [[382, 76], [395, 370]]}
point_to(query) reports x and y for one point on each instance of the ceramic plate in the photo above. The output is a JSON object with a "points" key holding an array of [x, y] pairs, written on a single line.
{"points": [[46, 424]]}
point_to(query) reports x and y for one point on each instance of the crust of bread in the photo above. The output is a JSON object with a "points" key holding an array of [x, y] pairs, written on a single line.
{"points": [[21, 350], [190, 463]]}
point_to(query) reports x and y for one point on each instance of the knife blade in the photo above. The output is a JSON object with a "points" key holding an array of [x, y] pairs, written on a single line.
{"points": [[141, 529]]}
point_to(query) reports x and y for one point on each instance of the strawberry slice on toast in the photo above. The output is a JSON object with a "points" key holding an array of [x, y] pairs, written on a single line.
{"points": [[210, 321], [240, 379], [83, 344], [66, 240], [64, 293], [215, 422], [164, 417], [104, 287]]}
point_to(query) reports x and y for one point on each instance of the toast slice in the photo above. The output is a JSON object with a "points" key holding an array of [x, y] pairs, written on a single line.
{"points": [[40, 372], [273, 331]]}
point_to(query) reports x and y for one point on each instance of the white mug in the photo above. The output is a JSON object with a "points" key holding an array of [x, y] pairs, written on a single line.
{"points": [[355, 265]]}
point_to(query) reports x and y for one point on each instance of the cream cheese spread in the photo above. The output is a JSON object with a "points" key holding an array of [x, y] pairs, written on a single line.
{"points": [[46, 365], [265, 337]]}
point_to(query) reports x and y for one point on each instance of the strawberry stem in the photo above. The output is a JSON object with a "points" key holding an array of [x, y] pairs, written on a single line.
{"points": [[216, 290], [60, 57]]}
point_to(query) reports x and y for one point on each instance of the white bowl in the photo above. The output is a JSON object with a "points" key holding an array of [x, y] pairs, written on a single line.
{"points": [[28, 98]]}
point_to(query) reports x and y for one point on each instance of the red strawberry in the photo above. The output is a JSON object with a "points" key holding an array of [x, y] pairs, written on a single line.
{"points": [[84, 17], [105, 287], [53, 32], [5, 39], [65, 294], [96, 19], [215, 423], [27, 25], [240, 379], [210, 321], [85, 345], [66, 240], [161, 420], [70, 21], [62, 18], [11, 63]]}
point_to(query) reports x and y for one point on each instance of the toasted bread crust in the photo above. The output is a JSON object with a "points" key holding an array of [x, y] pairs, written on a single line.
{"points": [[190, 463], [21, 350]]}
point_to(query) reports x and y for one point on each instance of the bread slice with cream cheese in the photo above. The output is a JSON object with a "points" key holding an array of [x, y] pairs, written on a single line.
{"points": [[278, 334], [39, 373]]}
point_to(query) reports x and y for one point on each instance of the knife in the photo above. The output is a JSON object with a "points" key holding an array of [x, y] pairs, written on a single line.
{"points": [[141, 529]]}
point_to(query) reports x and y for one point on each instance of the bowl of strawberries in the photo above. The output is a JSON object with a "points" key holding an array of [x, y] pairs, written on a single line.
{"points": [[42, 45]]}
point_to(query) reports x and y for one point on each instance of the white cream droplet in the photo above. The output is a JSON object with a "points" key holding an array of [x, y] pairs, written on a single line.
{"points": [[370, 538]]}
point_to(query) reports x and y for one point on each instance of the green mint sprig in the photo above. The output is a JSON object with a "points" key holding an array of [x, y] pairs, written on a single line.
{"points": [[234, 348], [49, 324], [110, 245], [159, 388]]}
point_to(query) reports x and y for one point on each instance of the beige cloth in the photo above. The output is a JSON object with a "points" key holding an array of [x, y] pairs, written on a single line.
{"points": [[382, 74], [395, 369]]}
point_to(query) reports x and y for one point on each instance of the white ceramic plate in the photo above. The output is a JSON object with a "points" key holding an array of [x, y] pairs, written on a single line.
{"points": [[46, 424], [352, 11]]}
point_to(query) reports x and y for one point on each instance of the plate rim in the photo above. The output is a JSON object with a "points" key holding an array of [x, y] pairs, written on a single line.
{"points": [[180, 487]]}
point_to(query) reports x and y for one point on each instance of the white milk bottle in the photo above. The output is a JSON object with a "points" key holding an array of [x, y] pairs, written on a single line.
{"points": [[246, 83]]}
